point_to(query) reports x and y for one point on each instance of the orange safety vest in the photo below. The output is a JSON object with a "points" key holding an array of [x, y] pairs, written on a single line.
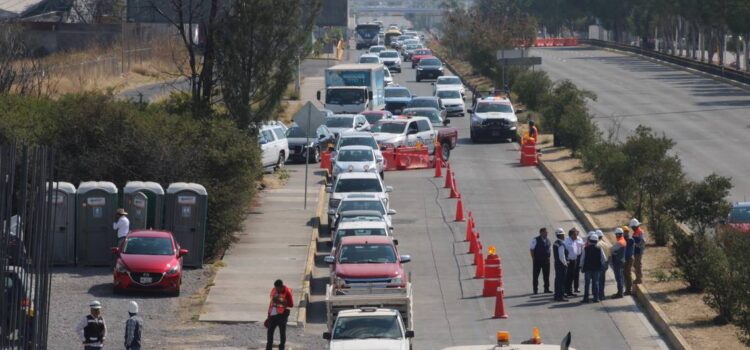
{"points": [[534, 133], [283, 303]]}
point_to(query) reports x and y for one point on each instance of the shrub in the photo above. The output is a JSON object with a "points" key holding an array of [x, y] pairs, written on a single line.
{"points": [[721, 280], [690, 258], [531, 88], [702, 204]]}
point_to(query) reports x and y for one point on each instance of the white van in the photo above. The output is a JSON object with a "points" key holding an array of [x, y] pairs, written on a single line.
{"points": [[273, 145]]}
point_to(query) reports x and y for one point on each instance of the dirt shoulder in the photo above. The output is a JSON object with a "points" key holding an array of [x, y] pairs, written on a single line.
{"points": [[686, 311]]}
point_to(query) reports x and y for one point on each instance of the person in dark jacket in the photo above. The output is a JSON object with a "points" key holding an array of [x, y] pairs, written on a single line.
{"points": [[91, 329], [540, 250], [560, 255], [133, 328], [629, 260], [618, 261], [278, 312], [592, 260]]}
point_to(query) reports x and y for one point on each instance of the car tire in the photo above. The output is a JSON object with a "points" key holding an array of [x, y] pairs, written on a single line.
{"points": [[382, 175], [279, 162], [315, 157], [176, 292], [473, 137], [446, 148], [514, 138]]}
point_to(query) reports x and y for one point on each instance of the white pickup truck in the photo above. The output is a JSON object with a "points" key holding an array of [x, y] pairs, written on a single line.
{"points": [[369, 318]]}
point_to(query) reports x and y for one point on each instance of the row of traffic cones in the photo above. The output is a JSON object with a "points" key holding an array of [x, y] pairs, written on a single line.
{"points": [[489, 269]]}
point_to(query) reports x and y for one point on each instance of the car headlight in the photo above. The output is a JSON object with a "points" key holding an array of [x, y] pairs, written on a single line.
{"points": [[174, 270], [366, 167], [121, 268], [333, 203]]}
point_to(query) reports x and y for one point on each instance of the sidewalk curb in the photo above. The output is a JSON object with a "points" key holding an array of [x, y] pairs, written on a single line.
{"points": [[304, 299], [655, 315]]}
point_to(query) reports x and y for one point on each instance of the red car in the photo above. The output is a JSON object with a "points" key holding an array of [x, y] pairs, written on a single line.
{"points": [[366, 261], [418, 55], [149, 260]]}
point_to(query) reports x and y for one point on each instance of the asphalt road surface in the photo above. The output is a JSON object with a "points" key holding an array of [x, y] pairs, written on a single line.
{"points": [[706, 118], [510, 204]]}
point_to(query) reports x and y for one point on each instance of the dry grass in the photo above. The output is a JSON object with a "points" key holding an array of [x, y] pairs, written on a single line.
{"points": [[686, 310]]}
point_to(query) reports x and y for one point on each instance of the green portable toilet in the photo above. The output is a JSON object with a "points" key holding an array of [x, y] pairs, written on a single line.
{"points": [[97, 204], [144, 202], [186, 219], [63, 224]]}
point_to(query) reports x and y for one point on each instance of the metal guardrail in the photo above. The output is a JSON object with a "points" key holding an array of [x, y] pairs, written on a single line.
{"points": [[720, 71]]}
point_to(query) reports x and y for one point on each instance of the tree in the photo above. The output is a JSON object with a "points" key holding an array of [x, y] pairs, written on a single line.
{"points": [[532, 88], [564, 100], [257, 52], [702, 204]]}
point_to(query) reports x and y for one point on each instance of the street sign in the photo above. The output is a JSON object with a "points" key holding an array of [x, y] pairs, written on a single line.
{"points": [[513, 53], [521, 61], [316, 117]]}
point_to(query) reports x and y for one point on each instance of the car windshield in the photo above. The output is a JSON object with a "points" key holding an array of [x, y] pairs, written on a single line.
{"points": [[389, 128], [430, 114], [359, 141], [369, 59], [367, 253], [494, 107], [379, 327], [740, 215], [388, 54], [340, 122], [345, 96], [375, 205], [423, 102], [355, 155], [296, 132], [358, 185], [429, 62], [148, 246], [422, 52], [448, 94], [357, 232], [397, 93], [449, 81], [373, 118]]}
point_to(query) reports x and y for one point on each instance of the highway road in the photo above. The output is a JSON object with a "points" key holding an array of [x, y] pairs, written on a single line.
{"points": [[510, 204], [706, 118]]}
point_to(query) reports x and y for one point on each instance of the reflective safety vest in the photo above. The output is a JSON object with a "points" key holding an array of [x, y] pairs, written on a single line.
{"points": [[284, 300]]}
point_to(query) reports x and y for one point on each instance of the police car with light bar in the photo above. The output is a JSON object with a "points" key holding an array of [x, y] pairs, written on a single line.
{"points": [[493, 118]]}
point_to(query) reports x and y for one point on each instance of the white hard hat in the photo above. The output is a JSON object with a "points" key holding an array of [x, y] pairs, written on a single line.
{"points": [[593, 237], [95, 304], [559, 231], [590, 233], [619, 231], [634, 222], [599, 233], [133, 307]]}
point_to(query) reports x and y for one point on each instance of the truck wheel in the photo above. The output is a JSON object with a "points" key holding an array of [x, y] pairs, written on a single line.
{"points": [[446, 147], [315, 156]]}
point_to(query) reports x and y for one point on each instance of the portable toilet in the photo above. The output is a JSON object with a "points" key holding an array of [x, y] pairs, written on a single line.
{"points": [[144, 202], [97, 204], [186, 219], [63, 212]]}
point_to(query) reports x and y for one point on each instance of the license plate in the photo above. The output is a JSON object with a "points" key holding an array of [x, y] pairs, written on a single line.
{"points": [[146, 280]]}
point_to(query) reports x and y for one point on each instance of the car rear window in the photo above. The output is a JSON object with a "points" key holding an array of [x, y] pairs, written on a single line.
{"points": [[358, 185]]}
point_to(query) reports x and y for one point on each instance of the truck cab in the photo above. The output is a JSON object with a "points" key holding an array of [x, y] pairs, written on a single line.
{"points": [[369, 328], [347, 99]]}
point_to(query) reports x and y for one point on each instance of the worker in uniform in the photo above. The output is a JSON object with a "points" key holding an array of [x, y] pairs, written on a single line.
{"points": [[574, 244], [540, 250], [639, 247], [133, 328], [606, 247], [278, 312], [91, 329], [627, 270], [533, 131], [592, 260], [121, 225], [617, 260], [560, 255]]}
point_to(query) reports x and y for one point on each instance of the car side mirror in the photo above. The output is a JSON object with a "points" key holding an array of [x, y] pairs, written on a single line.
{"points": [[409, 334], [395, 242], [115, 250], [329, 259], [183, 252], [317, 94], [446, 122], [329, 189], [405, 259], [327, 335], [388, 189], [392, 212]]}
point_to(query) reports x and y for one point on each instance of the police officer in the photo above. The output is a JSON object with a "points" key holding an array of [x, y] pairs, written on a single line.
{"points": [[92, 329], [278, 312], [560, 254], [540, 250], [133, 328], [617, 260]]}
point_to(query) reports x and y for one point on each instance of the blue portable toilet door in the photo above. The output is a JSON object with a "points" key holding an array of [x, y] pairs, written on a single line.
{"points": [[63, 234], [98, 232], [138, 211], [186, 223]]}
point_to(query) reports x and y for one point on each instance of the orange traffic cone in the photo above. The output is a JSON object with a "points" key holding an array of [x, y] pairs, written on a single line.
{"points": [[473, 244], [438, 151], [454, 189], [469, 228], [459, 210], [479, 273], [500, 304], [438, 168], [448, 176]]}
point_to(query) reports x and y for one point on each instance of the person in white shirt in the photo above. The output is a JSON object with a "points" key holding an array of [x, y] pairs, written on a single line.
{"points": [[574, 245], [121, 225], [92, 330]]}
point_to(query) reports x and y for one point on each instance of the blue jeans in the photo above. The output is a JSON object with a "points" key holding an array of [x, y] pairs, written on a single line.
{"points": [[602, 279], [592, 279], [619, 277]]}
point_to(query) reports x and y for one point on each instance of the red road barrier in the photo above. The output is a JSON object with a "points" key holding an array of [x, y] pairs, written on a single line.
{"points": [[389, 159], [549, 42], [412, 158], [325, 161], [491, 275], [528, 153]]}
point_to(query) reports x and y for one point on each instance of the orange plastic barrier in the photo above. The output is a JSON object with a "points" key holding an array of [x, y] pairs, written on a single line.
{"points": [[549, 42], [528, 153], [412, 158], [325, 161], [389, 157]]}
